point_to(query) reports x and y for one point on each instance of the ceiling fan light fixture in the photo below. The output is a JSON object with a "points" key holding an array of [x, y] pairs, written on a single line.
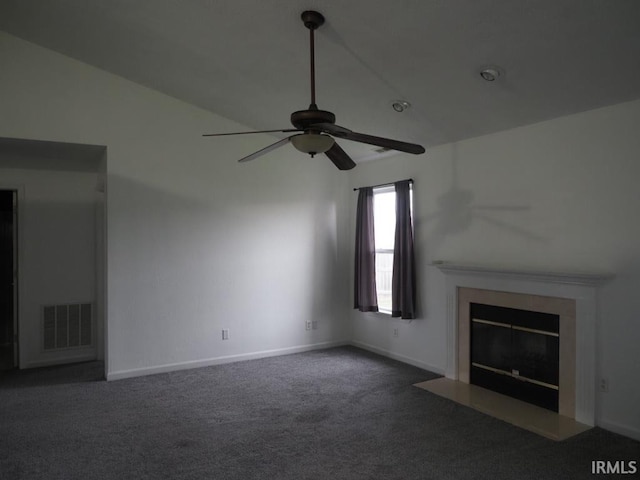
{"points": [[312, 143]]}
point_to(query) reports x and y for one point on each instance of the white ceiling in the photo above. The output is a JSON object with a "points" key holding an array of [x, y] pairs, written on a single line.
{"points": [[248, 59]]}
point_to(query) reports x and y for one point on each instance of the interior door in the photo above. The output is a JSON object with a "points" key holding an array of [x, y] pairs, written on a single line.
{"points": [[8, 287]]}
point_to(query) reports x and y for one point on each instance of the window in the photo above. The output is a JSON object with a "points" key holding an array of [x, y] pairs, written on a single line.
{"points": [[384, 219], [384, 264]]}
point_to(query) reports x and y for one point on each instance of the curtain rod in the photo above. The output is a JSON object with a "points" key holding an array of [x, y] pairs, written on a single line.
{"points": [[410, 180]]}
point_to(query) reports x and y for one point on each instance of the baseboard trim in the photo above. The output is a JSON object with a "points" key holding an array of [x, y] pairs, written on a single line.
{"points": [[400, 358], [619, 429], [140, 372]]}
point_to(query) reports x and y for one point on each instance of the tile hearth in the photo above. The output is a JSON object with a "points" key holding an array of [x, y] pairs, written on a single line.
{"points": [[524, 415]]}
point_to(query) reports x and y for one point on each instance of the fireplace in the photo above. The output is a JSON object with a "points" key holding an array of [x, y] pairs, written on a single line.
{"points": [[509, 356], [569, 302], [516, 352]]}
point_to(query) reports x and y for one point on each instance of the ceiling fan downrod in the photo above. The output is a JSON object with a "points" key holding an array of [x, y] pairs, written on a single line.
{"points": [[312, 20], [305, 119]]}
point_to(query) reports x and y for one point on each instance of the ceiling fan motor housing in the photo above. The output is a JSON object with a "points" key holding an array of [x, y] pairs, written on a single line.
{"points": [[304, 119]]}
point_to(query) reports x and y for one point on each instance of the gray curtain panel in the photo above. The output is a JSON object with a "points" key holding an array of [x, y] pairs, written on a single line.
{"points": [[403, 284], [364, 288]]}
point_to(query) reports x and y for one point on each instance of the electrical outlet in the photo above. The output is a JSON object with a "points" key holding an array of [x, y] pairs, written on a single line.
{"points": [[604, 385], [395, 332], [314, 324], [307, 325], [225, 334]]}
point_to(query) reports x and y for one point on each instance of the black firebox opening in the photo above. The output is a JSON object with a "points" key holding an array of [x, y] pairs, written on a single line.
{"points": [[516, 353]]}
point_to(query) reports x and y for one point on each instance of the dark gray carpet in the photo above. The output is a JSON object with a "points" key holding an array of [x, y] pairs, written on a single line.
{"points": [[339, 413]]}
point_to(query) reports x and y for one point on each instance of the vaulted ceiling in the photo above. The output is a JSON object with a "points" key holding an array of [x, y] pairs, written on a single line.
{"points": [[248, 60]]}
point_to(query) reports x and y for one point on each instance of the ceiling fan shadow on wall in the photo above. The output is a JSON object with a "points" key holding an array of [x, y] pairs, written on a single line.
{"points": [[316, 128], [457, 212]]}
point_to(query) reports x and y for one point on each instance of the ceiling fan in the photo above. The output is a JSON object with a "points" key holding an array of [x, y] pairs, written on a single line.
{"points": [[318, 127]]}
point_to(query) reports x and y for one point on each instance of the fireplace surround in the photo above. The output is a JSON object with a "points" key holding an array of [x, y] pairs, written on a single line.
{"points": [[571, 296], [563, 308]]}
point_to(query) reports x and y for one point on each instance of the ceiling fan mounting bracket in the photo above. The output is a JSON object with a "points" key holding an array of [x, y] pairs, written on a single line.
{"points": [[311, 19], [303, 119]]}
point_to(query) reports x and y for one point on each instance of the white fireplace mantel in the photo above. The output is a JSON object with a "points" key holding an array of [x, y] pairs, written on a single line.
{"points": [[580, 287], [563, 278]]}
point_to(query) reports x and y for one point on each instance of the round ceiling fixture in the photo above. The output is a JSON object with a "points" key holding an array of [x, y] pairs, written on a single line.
{"points": [[400, 105], [490, 74]]}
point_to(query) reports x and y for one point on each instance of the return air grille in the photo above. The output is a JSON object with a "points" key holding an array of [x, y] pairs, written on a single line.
{"points": [[67, 326]]}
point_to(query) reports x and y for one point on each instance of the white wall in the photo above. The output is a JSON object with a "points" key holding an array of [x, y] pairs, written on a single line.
{"points": [[195, 241], [560, 195], [56, 250]]}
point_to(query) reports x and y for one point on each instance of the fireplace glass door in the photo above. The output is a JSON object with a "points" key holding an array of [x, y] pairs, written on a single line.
{"points": [[516, 353]]}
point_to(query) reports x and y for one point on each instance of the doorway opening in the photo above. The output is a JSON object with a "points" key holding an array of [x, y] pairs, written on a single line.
{"points": [[56, 258], [8, 281]]}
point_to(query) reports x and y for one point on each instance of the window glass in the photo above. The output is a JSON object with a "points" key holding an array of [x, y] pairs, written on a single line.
{"points": [[384, 218]]}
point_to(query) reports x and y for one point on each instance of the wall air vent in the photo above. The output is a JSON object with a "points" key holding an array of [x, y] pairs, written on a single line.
{"points": [[67, 326]]}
